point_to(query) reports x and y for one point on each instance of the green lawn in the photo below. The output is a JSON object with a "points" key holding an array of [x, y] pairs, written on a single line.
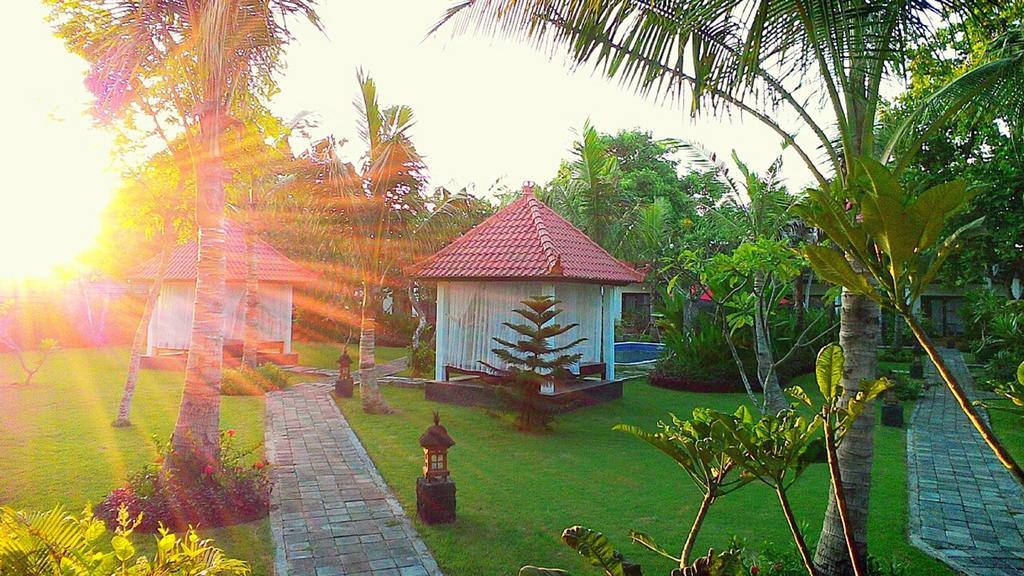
{"points": [[325, 354], [517, 492], [57, 445], [1009, 428]]}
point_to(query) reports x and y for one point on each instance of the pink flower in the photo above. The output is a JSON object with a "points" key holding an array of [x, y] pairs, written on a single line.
{"points": [[208, 470]]}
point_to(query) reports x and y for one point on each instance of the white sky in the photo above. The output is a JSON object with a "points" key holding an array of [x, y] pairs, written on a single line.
{"points": [[486, 110]]}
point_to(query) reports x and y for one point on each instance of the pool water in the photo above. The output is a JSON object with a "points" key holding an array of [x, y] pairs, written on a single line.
{"points": [[637, 352]]}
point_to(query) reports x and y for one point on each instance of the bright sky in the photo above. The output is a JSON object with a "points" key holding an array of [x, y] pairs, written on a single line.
{"points": [[486, 109]]}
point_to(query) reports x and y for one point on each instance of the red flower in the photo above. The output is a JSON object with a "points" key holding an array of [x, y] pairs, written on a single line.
{"points": [[208, 470], [259, 465], [754, 570], [230, 433]]}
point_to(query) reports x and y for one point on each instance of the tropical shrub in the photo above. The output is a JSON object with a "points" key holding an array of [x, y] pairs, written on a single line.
{"points": [[193, 493], [904, 387], [995, 331], [533, 361], [421, 360], [244, 381], [55, 542], [697, 357]]}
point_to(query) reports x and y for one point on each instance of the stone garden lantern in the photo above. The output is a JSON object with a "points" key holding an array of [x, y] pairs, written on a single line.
{"points": [[435, 491], [892, 410], [344, 385]]}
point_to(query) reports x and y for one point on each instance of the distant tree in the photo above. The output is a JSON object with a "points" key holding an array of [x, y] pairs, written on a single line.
{"points": [[156, 202], [369, 210]]}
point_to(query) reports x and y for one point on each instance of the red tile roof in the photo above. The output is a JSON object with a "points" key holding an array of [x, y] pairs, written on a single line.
{"points": [[272, 266], [526, 240]]}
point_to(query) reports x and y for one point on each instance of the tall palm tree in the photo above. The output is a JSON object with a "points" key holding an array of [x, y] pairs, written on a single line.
{"points": [[373, 207], [757, 57], [220, 56]]}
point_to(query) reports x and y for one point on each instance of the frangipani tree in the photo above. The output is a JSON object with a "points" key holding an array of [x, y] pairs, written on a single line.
{"points": [[898, 240]]}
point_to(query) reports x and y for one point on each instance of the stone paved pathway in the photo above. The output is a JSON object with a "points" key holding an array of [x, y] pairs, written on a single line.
{"points": [[964, 507], [383, 370], [331, 512]]}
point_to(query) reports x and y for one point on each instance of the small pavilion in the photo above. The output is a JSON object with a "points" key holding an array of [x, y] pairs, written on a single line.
{"points": [[170, 328], [524, 250]]}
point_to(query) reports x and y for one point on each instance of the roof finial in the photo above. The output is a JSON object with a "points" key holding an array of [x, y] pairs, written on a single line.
{"points": [[528, 187]]}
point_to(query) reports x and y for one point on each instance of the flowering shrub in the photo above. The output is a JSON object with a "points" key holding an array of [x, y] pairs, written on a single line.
{"points": [[194, 493]]}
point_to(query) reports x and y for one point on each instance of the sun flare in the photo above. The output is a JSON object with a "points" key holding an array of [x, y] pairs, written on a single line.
{"points": [[57, 174]]}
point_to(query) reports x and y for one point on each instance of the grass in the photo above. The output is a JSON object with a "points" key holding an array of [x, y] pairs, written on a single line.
{"points": [[1009, 428], [325, 354], [59, 448], [516, 492]]}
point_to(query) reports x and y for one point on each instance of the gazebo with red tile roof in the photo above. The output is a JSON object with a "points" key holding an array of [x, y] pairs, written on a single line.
{"points": [[526, 249], [170, 327]]}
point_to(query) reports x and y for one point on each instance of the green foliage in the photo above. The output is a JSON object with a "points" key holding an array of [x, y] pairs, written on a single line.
{"points": [[534, 360], [701, 446], [47, 346], [55, 542], [895, 237], [422, 359], [243, 381], [995, 331]]}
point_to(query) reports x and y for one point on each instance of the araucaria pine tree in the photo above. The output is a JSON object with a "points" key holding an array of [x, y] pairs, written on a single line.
{"points": [[534, 360]]}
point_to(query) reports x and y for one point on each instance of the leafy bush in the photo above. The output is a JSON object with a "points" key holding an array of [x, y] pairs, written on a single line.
{"points": [[905, 387], [697, 357], [421, 360], [194, 493], [903, 355], [245, 381], [995, 329], [395, 329], [55, 542]]}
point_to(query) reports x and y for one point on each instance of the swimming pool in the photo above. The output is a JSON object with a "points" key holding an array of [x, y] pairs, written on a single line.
{"points": [[633, 353]]}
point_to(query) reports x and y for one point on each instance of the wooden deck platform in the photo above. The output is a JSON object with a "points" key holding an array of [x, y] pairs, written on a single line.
{"points": [[566, 397]]}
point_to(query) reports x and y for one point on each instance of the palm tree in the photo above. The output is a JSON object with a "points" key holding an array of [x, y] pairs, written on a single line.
{"points": [[373, 207], [756, 56], [220, 57], [590, 192]]}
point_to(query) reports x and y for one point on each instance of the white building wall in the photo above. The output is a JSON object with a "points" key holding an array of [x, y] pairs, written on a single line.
{"points": [[471, 314], [171, 325]]}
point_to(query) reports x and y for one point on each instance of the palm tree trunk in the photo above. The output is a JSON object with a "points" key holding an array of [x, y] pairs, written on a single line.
{"points": [[251, 336], [766, 372], [965, 403], [373, 401], [858, 336], [139, 341], [421, 315], [197, 430]]}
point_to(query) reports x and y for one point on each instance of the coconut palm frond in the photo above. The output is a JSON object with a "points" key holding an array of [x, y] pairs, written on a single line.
{"points": [[991, 91]]}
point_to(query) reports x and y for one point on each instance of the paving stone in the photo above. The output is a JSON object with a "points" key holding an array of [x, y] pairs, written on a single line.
{"points": [[964, 506], [331, 512]]}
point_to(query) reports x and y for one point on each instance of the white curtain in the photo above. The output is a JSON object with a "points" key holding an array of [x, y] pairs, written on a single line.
{"points": [[475, 311], [582, 304], [171, 326]]}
